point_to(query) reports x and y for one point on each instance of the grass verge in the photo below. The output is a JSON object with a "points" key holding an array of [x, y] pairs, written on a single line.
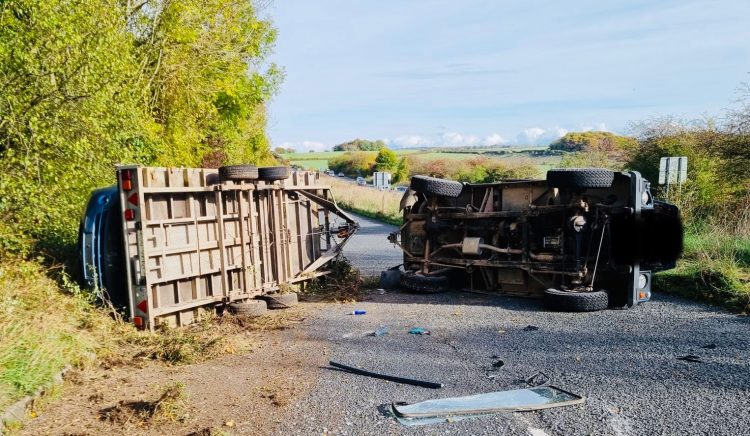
{"points": [[370, 202], [42, 329], [715, 268], [46, 325]]}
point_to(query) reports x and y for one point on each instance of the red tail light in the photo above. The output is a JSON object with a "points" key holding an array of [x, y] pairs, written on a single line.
{"points": [[138, 321], [126, 179], [129, 214]]}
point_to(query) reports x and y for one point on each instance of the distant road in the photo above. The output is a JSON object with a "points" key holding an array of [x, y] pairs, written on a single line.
{"points": [[369, 249]]}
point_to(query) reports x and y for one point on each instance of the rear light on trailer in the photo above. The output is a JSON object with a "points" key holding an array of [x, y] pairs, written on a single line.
{"points": [[129, 214], [126, 180], [138, 321]]}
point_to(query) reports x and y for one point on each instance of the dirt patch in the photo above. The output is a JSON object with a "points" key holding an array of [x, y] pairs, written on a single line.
{"points": [[238, 393]]}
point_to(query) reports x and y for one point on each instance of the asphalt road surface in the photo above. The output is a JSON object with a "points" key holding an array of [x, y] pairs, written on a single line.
{"points": [[624, 362], [369, 250]]}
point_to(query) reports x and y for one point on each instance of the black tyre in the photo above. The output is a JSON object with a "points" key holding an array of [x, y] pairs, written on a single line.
{"points": [[248, 308], [565, 301], [238, 172], [280, 301], [576, 178], [417, 282], [271, 174], [432, 185]]}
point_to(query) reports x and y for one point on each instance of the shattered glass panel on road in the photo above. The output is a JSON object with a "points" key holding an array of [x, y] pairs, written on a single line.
{"points": [[457, 408]]}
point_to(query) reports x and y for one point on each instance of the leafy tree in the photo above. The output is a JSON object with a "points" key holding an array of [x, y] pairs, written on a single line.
{"points": [[86, 84], [200, 60], [712, 183], [355, 163], [68, 111], [604, 142], [386, 160], [360, 145], [402, 170]]}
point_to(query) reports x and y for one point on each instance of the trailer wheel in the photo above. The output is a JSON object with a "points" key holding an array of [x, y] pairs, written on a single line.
{"points": [[566, 301], [422, 284], [279, 301], [238, 172], [248, 308], [271, 174], [432, 185], [575, 178]]}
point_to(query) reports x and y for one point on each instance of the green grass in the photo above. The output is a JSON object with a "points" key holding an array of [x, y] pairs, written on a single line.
{"points": [[311, 164], [41, 329], [715, 268], [380, 205]]}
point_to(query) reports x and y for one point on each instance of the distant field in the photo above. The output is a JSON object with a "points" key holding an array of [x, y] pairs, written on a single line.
{"points": [[319, 160]]}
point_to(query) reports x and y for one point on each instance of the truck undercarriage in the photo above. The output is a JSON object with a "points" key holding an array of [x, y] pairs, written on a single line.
{"points": [[584, 239]]}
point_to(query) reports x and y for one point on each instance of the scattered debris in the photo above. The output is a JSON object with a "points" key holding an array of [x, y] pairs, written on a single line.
{"points": [[530, 328], [380, 331], [168, 407], [690, 358], [538, 379], [419, 331], [498, 364], [343, 284], [358, 312], [709, 346], [458, 408], [408, 381]]}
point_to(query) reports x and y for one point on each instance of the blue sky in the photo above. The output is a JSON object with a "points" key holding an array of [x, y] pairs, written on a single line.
{"points": [[457, 73]]}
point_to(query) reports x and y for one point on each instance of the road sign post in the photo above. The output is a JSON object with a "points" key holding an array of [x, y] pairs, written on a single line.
{"points": [[673, 170]]}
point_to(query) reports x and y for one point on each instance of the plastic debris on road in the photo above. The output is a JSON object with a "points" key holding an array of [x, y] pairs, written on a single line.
{"points": [[393, 378], [358, 312], [458, 408], [419, 331], [690, 358], [380, 331]]}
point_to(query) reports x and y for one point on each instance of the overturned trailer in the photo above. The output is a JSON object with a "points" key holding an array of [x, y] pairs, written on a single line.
{"points": [[583, 239], [168, 244]]}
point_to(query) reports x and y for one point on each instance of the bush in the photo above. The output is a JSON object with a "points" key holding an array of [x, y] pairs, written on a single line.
{"points": [[353, 164], [713, 184]]}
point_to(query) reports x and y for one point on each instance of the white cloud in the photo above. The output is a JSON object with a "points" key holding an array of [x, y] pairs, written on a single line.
{"points": [[494, 139], [530, 135], [540, 136], [455, 139], [305, 146], [407, 141]]}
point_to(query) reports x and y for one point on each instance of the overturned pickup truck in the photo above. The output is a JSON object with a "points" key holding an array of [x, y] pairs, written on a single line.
{"points": [[169, 244], [585, 239]]}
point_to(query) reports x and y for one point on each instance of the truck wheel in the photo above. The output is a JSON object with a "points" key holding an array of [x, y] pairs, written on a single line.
{"points": [[271, 174], [238, 172], [564, 301], [432, 185], [422, 284], [575, 178], [248, 308], [279, 301]]}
